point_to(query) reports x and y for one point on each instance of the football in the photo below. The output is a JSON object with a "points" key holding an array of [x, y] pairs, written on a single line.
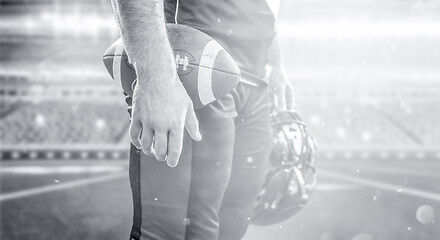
{"points": [[206, 69]]}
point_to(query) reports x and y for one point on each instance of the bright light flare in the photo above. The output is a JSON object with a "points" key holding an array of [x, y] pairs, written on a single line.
{"points": [[363, 29]]}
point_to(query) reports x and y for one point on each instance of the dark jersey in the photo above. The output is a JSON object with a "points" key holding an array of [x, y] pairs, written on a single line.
{"points": [[245, 28]]}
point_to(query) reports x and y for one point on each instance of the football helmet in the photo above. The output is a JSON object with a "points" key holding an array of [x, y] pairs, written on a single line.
{"points": [[291, 176]]}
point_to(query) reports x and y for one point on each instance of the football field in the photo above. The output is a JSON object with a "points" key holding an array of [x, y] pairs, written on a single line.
{"points": [[355, 199]]}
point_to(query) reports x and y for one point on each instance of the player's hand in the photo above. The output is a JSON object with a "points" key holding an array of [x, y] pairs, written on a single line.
{"points": [[161, 110], [282, 89]]}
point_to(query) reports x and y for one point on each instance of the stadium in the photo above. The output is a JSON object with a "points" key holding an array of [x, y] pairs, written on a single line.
{"points": [[367, 83]]}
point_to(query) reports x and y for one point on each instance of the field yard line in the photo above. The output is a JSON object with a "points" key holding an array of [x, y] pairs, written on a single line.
{"points": [[60, 186], [427, 173], [383, 186], [328, 187]]}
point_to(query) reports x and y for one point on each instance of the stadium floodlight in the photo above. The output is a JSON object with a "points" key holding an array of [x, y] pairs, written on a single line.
{"points": [[29, 25], [362, 29], [15, 155], [50, 155], [348, 154], [420, 155], [101, 154], [100, 124], [40, 120], [401, 155], [116, 154], [366, 136], [341, 133], [84, 154], [66, 155], [33, 155], [384, 155], [47, 16], [329, 155]]}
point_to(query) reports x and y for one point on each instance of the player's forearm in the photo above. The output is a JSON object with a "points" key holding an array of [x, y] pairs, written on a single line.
{"points": [[143, 32], [274, 56]]}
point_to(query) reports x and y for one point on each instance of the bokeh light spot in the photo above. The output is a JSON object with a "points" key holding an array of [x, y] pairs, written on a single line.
{"points": [[425, 214], [362, 236]]}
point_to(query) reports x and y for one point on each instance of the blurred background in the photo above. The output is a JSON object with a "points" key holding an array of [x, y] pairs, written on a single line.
{"points": [[367, 82]]}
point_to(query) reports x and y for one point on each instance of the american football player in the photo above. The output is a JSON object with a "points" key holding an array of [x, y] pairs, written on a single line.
{"points": [[201, 183]]}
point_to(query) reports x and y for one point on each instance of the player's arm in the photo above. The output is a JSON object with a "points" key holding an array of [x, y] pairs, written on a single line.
{"points": [[161, 106], [279, 82]]}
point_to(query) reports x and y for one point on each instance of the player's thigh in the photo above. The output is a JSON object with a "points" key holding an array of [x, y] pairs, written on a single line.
{"points": [[212, 156], [211, 168], [253, 140], [252, 147]]}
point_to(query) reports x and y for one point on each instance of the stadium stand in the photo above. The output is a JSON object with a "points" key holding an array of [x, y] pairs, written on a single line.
{"points": [[339, 123], [421, 118], [55, 122], [333, 123]]}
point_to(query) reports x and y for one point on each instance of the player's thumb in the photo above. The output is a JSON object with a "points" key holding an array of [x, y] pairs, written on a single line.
{"points": [[135, 131], [192, 124]]}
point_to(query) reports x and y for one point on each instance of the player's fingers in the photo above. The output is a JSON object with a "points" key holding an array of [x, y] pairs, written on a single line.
{"points": [[147, 141], [290, 98], [135, 130], [160, 145], [192, 124], [175, 140]]}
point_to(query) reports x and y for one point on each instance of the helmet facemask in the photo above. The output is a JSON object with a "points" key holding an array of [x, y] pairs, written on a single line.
{"points": [[291, 177]]}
